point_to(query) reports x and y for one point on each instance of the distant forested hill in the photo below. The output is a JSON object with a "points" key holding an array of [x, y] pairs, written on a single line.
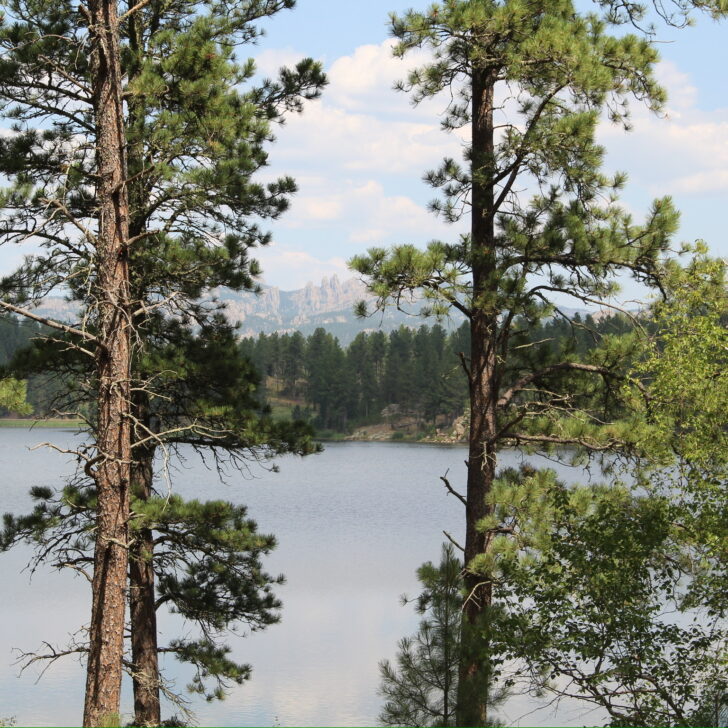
{"points": [[409, 376]]}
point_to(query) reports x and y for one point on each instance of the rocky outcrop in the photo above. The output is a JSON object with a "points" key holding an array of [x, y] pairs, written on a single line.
{"points": [[281, 308], [330, 304]]}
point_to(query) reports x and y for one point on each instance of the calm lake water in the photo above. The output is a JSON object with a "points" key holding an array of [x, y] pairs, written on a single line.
{"points": [[353, 524]]}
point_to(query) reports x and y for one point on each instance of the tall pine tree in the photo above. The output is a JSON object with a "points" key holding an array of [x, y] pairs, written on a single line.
{"points": [[194, 140], [36, 91], [529, 82]]}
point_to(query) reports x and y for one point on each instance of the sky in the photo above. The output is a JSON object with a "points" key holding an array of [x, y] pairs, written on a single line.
{"points": [[358, 154]]}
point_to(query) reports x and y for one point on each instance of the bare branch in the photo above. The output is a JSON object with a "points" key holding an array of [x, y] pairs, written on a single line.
{"points": [[453, 541], [451, 490], [139, 6], [48, 322]]}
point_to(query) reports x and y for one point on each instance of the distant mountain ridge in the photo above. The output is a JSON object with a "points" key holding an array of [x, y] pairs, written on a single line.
{"points": [[329, 305]]}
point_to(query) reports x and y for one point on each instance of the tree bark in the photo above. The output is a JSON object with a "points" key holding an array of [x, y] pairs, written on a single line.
{"points": [[475, 673], [113, 437], [143, 611], [142, 590]]}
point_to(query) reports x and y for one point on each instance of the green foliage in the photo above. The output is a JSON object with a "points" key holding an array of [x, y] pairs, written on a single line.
{"points": [[13, 396], [529, 83], [417, 371], [685, 365], [210, 562], [197, 134], [591, 588], [207, 560], [677, 13], [422, 688], [681, 390], [549, 143], [570, 237], [210, 661]]}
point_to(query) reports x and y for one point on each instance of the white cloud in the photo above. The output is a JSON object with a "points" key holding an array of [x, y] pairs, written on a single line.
{"points": [[292, 269], [269, 62], [685, 151], [335, 139], [364, 81], [363, 212], [682, 94], [360, 124], [703, 182], [359, 153]]}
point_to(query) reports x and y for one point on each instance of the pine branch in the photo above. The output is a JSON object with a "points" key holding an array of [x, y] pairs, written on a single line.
{"points": [[590, 445], [527, 379], [49, 322]]}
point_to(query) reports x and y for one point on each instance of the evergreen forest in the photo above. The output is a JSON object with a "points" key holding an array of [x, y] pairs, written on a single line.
{"points": [[411, 376]]}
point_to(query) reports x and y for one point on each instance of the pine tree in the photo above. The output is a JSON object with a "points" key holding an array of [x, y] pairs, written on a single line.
{"points": [[558, 71], [193, 143], [35, 90], [421, 689]]}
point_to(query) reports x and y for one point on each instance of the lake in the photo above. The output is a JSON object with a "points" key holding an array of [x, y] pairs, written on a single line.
{"points": [[353, 524]]}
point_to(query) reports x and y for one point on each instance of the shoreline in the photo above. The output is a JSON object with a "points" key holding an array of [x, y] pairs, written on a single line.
{"points": [[404, 441], [50, 423]]}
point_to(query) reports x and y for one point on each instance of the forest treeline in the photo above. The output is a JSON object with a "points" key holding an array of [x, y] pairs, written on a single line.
{"points": [[409, 372], [16, 334], [415, 372]]}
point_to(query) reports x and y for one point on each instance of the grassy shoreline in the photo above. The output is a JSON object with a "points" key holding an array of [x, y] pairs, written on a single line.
{"points": [[52, 423]]}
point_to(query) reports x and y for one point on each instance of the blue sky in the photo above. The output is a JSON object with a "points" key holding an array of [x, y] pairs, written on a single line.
{"points": [[359, 153]]}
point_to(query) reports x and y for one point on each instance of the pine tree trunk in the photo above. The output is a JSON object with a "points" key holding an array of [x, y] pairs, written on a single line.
{"points": [[113, 437], [475, 670], [142, 593], [143, 612]]}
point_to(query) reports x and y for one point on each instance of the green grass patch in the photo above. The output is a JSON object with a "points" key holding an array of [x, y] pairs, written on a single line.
{"points": [[26, 424], [280, 411]]}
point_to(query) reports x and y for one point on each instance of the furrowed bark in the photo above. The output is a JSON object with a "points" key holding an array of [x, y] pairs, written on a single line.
{"points": [[143, 612], [142, 607], [113, 438], [475, 666]]}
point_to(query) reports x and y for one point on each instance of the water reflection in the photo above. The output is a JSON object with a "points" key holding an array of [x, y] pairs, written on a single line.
{"points": [[353, 525]]}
